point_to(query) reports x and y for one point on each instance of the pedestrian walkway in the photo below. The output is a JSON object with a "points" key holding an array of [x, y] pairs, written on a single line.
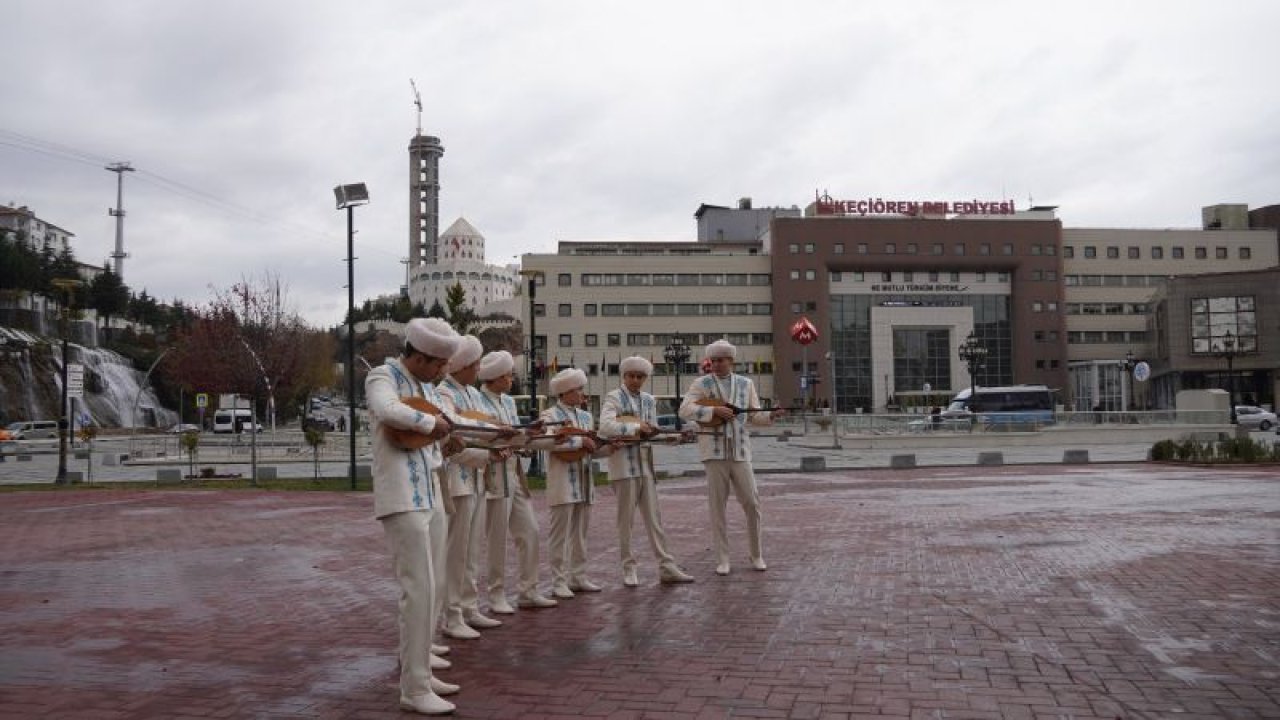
{"points": [[1083, 592]]}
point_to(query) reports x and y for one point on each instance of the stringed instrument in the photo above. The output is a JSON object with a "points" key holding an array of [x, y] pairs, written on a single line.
{"points": [[414, 440], [716, 421], [579, 453]]}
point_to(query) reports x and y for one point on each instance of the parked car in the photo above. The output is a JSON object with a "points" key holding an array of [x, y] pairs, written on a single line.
{"points": [[182, 428], [1255, 418], [320, 422], [33, 429]]}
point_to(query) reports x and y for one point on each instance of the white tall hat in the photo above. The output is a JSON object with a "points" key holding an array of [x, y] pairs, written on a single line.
{"points": [[635, 363], [431, 336], [496, 364], [469, 350], [566, 380], [721, 348]]}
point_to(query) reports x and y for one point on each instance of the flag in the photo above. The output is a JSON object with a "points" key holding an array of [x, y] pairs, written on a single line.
{"points": [[555, 364]]}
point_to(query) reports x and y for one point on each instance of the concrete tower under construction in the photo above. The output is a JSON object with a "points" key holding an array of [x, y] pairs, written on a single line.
{"points": [[424, 199]]}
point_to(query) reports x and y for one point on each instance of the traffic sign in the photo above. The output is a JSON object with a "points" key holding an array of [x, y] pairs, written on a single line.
{"points": [[202, 400], [75, 380]]}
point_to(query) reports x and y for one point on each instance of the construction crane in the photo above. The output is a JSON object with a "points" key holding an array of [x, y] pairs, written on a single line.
{"points": [[417, 100]]}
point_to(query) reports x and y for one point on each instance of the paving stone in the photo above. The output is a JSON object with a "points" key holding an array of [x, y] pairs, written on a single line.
{"points": [[1092, 591]]}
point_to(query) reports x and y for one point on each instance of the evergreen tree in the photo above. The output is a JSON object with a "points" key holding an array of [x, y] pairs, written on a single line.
{"points": [[459, 315], [109, 296], [436, 311]]}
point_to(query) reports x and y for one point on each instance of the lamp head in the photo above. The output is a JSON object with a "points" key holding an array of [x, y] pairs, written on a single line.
{"points": [[351, 195]]}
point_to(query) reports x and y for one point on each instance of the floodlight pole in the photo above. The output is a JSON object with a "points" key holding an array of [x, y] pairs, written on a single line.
{"points": [[348, 197]]}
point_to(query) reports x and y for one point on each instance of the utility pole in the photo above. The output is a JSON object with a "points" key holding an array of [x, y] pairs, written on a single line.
{"points": [[119, 168]]}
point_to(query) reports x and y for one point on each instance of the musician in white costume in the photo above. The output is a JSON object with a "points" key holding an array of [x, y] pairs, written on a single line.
{"points": [[408, 501], [508, 505], [569, 486], [726, 452], [631, 412]]}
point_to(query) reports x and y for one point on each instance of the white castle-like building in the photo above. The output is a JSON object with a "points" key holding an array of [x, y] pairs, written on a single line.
{"points": [[460, 260]]}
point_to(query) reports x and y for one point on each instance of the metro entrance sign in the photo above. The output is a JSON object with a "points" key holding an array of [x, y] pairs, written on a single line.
{"points": [[803, 331]]}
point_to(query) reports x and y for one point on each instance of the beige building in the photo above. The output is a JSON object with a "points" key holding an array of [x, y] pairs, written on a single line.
{"points": [[1111, 276], [597, 303]]}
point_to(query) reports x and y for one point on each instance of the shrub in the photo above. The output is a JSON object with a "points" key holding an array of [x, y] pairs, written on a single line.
{"points": [[1163, 451]]}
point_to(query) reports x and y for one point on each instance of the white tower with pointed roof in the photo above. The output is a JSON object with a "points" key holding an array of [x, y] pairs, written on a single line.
{"points": [[460, 260]]}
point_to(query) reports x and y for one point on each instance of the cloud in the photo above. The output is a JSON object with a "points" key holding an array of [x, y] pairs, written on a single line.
{"points": [[578, 120]]}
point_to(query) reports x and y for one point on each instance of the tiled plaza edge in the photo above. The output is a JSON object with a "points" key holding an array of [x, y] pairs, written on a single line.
{"points": [[1098, 591]]}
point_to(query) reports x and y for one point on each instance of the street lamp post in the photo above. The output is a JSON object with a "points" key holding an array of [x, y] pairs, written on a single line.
{"points": [[1228, 351], [676, 354], [1126, 386], [835, 416], [974, 355], [348, 197], [535, 467], [68, 287]]}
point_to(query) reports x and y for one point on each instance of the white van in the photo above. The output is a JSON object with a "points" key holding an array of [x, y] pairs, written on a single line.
{"points": [[223, 421], [33, 430]]}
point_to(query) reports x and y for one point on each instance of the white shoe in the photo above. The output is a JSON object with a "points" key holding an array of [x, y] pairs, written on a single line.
{"points": [[674, 575], [500, 606], [758, 564], [428, 704], [441, 687], [722, 568], [461, 631], [629, 578], [562, 591], [439, 649], [536, 601], [585, 585], [439, 663], [482, 622]]}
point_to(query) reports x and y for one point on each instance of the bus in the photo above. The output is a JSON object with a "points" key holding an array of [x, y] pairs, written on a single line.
{"points": [[1012, 405]]}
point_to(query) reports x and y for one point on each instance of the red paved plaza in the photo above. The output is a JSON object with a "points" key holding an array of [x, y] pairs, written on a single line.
{"points": [[1129, 591]]}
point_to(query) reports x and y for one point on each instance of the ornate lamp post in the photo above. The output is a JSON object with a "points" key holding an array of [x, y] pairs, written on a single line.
{"points": [[348, 197], [1228, 351], [534, 466], [974, 355], [1129, 363], [676, 354]]}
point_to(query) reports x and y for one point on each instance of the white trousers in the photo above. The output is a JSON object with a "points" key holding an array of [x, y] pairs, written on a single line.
{"points": [[512, 516], [409, 539], [724, 476], [439, 551], [567, 542], [640, 493], [466, 527]]}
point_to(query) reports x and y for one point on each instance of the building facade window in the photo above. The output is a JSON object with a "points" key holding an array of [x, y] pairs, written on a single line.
{"points": [[1068, 251], [1246, 253], [862, 249], [1202, 253], [615, 340], [936, 249], [589, 309], [793, 248], [1134, 253], [1220, 253], [1212, 318], [808, 248], [890, 249], [1113, 252], [1157, 253], [838, 249], [1178, 253], [590, 340], [565, 310], [566, 340], [809, 275], [1090, 252]]}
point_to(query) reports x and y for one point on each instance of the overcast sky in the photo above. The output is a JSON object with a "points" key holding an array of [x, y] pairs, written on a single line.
{"points": [[608, 120]]}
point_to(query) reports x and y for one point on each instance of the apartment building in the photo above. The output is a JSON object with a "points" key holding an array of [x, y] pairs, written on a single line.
{"points": [[597, 303], [1110, 277]]}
